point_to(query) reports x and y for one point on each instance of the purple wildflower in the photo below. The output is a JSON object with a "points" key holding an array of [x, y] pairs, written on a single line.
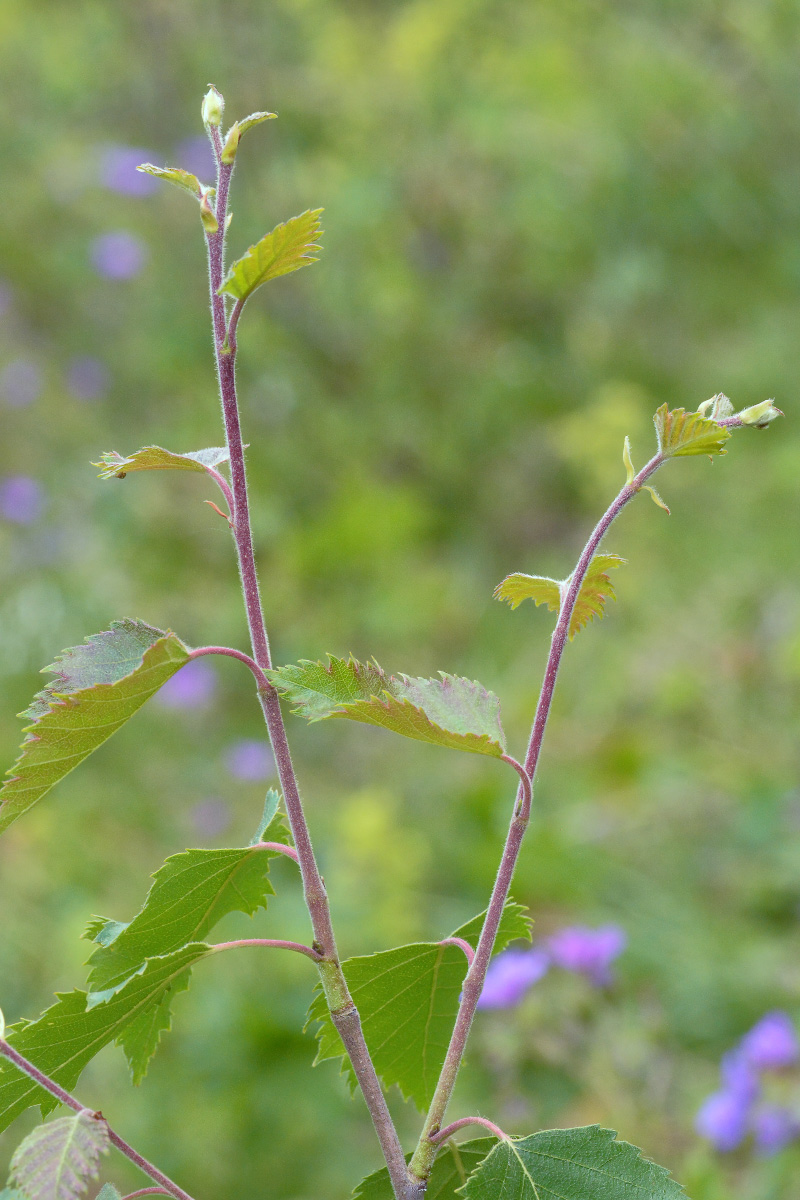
{"points": [[195, 154], [250, 761], [771, 1043], [510, 975], [210, 817], [739, 1077], [20, 382], [588, 951], [723, 1119], [192, 687], [21, 499], [118, 255], [87, 378], [774, 1127], [118, 171]]}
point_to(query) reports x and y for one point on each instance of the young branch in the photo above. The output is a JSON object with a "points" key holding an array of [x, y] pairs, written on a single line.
{"points": [[274, 943], [425, 1153], [444, 1134], [64, 1097], [313, 886]]}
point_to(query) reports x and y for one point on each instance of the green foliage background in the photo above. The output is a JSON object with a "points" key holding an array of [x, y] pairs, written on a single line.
{"points": [[542, 221]]}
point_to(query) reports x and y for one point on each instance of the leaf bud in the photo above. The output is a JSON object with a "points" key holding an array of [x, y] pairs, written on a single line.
{"points": [[213, 107], [231, 144], [207, 214], [759, 415]]}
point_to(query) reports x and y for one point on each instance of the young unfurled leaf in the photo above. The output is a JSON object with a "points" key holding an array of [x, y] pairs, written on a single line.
{"points": [[286, 249], [717, 408], [68, 1034], [682, 433], [254, 119], [154, 458], [191, 892], [656, 498], [569, 1164], [408, 1000], [453, 1164], [57, 1160], [97, 687], [595, 590], [107, 1192], [448, 712], [182, 179], [627, 461], [760, 415], [270, 819]]}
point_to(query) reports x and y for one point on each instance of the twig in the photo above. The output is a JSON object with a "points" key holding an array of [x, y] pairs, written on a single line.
{"points": [[64, 1097]]}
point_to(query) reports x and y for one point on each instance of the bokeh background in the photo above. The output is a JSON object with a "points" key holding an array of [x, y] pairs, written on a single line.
{"points": [[542, 221]]}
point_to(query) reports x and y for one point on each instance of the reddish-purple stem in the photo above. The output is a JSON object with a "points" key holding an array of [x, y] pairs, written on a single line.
{"points": [[64, 1097], [260, 677], [444, 1134], [145, 1192], [462, 945], [273, 943], [223, 485], [279, 848]]}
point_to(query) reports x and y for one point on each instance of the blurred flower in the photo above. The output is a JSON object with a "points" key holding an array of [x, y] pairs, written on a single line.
{"points": [[250, 761], [118, 255], [739, 1077], [118, 171], [771, 1043], [192, 687], [510, 975], [195, 154], [210, 817], [20, 382], [588, 951], [774, 1128], [87, 378], [723, 1119], [21, 499]]}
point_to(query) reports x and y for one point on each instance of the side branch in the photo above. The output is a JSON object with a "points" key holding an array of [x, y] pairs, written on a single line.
{"points": [[444, 1134], [64, 1097], [273, 943]]}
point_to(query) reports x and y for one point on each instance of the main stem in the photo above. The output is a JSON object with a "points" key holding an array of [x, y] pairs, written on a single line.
{"points": [[343, 1011], [425, 1153]]}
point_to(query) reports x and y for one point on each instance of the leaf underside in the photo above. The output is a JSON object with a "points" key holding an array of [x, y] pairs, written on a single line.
{"points": [[155, 458], [595, 590], [452, 1166], [408, 1000], [57, 1160], [287, 248], [681, 433], [107, 1192], [569, 1164], [182, 179], [96, 688], [254, 119], [450, 711], [68, 1035]]}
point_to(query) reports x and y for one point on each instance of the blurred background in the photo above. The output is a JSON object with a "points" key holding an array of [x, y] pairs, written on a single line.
{"points": [[543, 220]]}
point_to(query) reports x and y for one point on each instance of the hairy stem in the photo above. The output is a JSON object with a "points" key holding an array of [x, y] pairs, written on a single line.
{"points": [[274, 943], [333, 980], [444, 1134], [64, 1097], [425, 1153]]}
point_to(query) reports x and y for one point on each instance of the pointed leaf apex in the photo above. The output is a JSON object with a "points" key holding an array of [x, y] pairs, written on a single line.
{"points": [[656, 498]]}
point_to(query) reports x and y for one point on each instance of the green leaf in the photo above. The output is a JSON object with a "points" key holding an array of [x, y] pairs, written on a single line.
{"points": [[450, 711], [453, 1164], [191, 892], [57, 1160], [68, 1035], [271, 822], [408, 1000], [595, 590], [182, 179], [627, 462], [681, 433], [288, 248], [656, 498], [97, 688], [717, 408], [107, 1192], [569, 1164], [155, 458], [760, 415], [255, 119]]}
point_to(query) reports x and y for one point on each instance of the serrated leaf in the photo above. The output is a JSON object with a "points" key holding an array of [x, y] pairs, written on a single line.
{"points": [[287, 248], [538, 588], [450, 711], [103, 930], [97, 688], [107, 1192], [57, 1160], [255, 119], [408, 999], [569, 1164], [681, 433], [190, 893], [68, 1035], [155, 458], [182, 179], [450, 1171], [595, 590]]}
